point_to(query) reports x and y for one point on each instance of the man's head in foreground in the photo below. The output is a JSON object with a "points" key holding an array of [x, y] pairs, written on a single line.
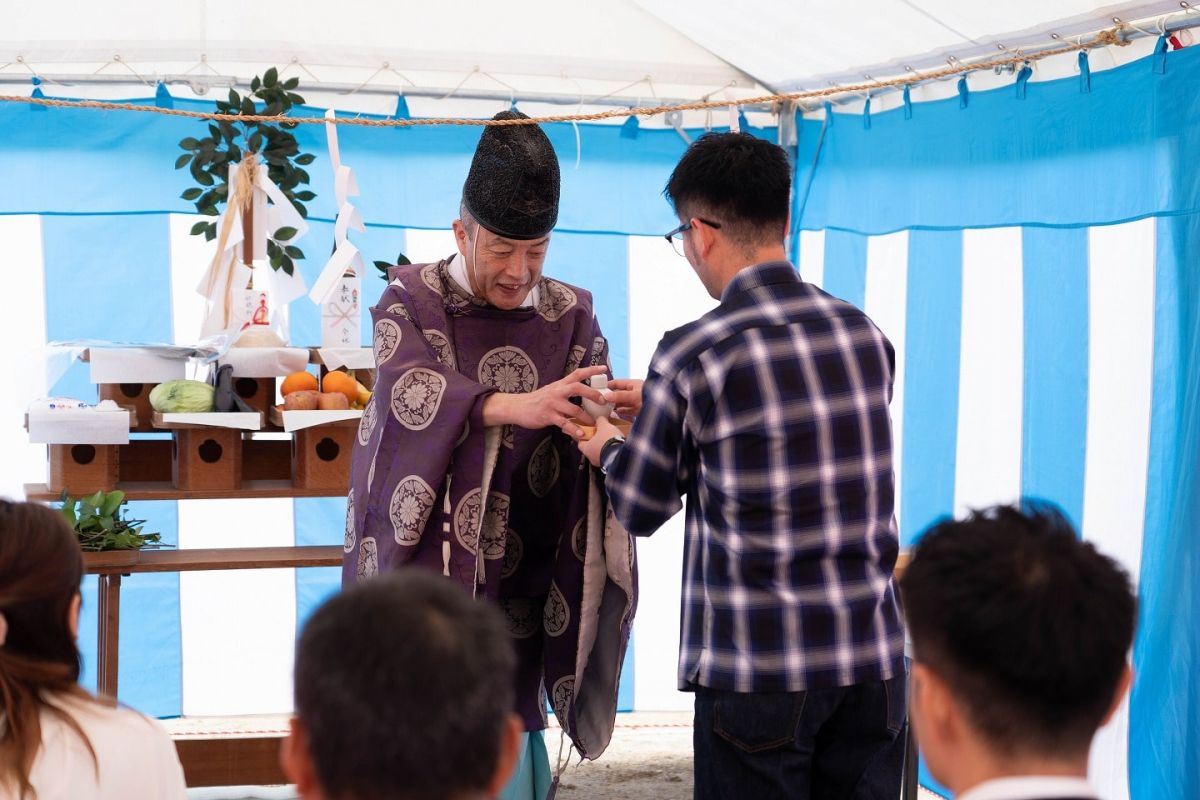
{"points": [[1020, 635], [404, 691]]}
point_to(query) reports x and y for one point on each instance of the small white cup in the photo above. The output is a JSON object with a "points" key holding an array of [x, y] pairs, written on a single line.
{"points": [[600, 383]]}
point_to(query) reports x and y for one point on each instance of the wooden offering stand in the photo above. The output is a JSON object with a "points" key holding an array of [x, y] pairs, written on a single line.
{"points": [[320, 454], [200, 461], [92, 467], [203, 457], [184, 460]]}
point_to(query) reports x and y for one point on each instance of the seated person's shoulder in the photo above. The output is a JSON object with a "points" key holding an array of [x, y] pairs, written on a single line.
{"points": [[122, 724], [135, 753]]}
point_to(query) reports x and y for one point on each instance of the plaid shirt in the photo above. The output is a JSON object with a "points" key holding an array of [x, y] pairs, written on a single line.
{"points": [[770, 414]]}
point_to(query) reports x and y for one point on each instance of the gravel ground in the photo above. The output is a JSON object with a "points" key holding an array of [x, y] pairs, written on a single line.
{"points": [[650, 757]]}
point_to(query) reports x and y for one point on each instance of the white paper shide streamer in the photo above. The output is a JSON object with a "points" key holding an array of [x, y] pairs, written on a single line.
{"points": [[239, 297], [337, 289]]}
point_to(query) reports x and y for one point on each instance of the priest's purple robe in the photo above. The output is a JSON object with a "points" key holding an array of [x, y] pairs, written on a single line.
{"points": [[513, 515]]}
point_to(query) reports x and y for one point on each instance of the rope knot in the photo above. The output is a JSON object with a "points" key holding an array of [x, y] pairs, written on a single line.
{"points": [[243, 190]]}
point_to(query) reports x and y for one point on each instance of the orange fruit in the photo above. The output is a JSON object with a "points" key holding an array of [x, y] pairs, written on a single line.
{"points": [[298, 382], [341, 382]]}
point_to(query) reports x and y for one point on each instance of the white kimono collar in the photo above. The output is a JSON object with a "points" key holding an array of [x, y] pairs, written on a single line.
{"points": [[457, 269]]}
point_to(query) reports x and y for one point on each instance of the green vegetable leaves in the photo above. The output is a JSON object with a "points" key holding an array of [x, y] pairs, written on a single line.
{"points": [[100, 524]]}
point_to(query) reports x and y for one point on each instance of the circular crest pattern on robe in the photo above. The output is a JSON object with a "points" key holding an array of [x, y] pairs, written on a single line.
{"points": [[399, 310], [368, 559], [366, 425], [557, 614], [351, 536], [561, 696], [522, 616], [412, 502], [555, 300], [417, 396], [514, 548], [441, 347], [495, 523], [543, 467], [431, 278], [387, 339], [508, 369]]}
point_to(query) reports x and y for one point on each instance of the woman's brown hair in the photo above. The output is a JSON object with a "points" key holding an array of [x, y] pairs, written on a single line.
{"points": [[40, 569]]}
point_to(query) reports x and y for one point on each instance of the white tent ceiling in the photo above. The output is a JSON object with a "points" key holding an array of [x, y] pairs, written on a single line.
{"points": [[787, 46], [628, 50]]}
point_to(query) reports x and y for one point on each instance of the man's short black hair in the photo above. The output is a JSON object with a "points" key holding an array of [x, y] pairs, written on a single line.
{"points": [[738, 180], [404, 686], [1029, 626]]}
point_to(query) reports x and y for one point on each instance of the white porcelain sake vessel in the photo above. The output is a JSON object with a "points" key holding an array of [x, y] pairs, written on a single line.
{"points": [[600, 383]]}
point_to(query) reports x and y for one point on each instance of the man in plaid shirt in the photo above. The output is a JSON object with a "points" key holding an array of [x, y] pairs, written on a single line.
{"points": [[770, 414]]}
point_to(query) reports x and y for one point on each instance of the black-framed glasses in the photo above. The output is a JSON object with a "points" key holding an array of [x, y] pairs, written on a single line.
{"points": [[675, 237]]}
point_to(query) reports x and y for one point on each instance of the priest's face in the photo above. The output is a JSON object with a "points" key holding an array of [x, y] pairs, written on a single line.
{"points": [[502, 271]]}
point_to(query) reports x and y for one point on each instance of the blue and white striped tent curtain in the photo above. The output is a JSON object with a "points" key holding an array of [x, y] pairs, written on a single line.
{"points": [[1032, 259], [1025, 362]]}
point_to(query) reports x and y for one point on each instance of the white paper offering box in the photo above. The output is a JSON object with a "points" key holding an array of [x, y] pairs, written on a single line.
{"points": [[243, 420], [298, 420], [341, 323], [135, 365], [79, 426], [350, 358], [265, 362]]}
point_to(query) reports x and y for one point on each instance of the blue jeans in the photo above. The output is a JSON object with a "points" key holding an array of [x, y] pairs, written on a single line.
{"points": [[823, 744]]}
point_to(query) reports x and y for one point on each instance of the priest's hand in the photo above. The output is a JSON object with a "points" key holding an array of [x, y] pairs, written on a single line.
{"points": [[594, 447], [548, 407], [626, 395]]}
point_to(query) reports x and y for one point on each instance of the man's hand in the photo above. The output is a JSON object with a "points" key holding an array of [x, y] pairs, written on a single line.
{"points": [[549, 406], [626, 395], [591, 449]]}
